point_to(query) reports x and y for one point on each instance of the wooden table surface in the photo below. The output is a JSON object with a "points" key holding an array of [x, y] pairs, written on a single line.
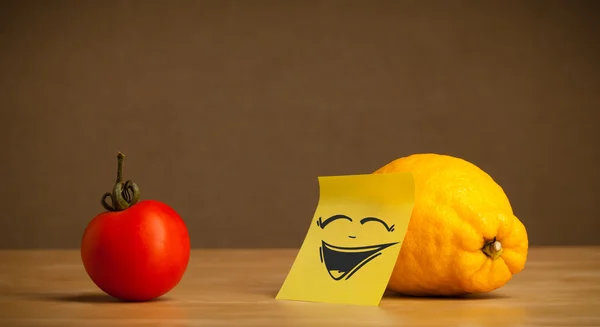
{"points": [[559, 287]]}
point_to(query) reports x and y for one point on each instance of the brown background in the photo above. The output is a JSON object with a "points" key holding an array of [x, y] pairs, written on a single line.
{"points": [[229, 110]]}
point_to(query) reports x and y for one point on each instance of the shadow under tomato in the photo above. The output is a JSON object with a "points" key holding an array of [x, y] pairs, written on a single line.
{"points": [[87, 298]]}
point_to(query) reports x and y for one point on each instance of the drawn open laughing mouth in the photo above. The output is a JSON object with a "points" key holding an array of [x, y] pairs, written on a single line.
{"points": [[343, 262]]}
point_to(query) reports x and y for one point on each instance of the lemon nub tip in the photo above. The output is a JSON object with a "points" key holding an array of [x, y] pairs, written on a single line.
{"points": [[497, 246], [493, 249]]}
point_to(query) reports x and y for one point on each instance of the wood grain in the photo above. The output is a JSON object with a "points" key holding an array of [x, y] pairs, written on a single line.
{"points": [[559, 287]]}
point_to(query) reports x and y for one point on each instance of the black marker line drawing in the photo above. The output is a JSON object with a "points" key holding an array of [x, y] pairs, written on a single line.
{"points": [[367, 219], [322, 224], [344, 262]]}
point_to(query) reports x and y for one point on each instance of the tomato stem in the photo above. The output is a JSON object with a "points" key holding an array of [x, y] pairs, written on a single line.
{"points": [[120, 158], [124, 194], [493, 249]]}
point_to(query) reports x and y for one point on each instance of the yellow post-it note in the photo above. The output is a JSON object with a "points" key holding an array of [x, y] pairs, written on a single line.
{"points": [[353, 241]]}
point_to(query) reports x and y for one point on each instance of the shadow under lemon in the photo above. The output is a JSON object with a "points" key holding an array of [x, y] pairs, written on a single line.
{"points": [[389, 294], [471, 309]]}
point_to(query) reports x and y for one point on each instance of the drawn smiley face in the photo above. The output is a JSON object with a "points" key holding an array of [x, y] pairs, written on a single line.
{"points": [[342, 262]]}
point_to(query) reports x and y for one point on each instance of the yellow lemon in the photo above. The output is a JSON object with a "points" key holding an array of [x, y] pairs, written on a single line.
{"points": [[463, 236]]}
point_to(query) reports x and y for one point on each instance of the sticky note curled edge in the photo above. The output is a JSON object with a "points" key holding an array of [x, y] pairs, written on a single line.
{"points": [[353, 241]]}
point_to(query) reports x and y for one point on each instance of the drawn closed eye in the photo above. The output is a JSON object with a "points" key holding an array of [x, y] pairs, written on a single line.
{"points": [[322, 224], [375, 219]]}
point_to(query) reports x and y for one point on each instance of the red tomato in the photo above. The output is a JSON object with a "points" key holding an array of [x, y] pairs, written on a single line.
{"points": [[137, 253]]}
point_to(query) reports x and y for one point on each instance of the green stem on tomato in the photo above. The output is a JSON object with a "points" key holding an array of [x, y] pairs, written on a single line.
{"points": [[120, 158], [124, 194]]}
